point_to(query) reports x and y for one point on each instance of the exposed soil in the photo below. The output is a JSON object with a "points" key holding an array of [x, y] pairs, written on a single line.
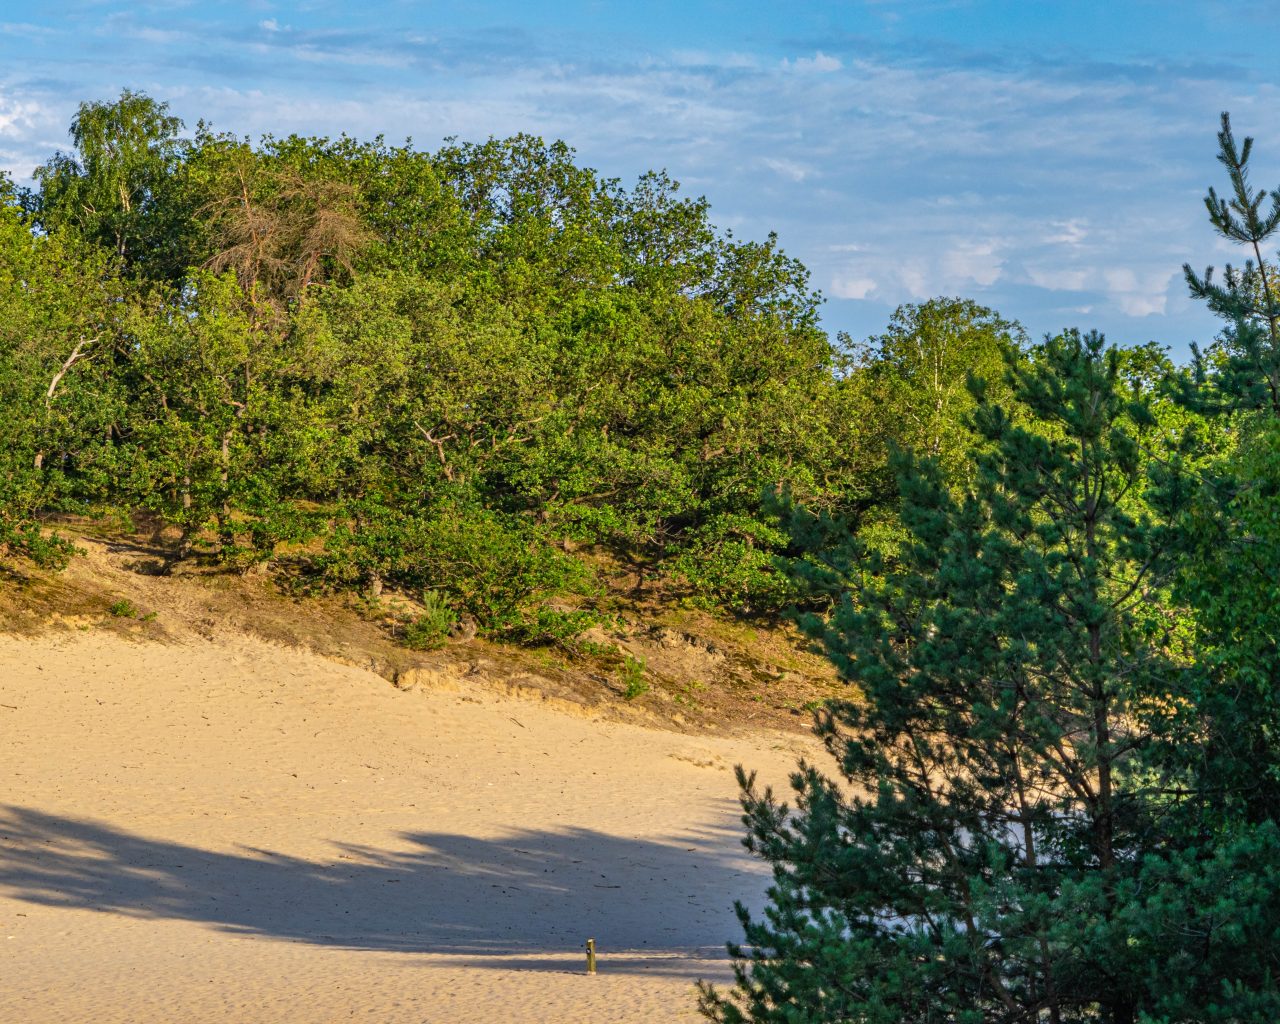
{"points": [[688, 670]]}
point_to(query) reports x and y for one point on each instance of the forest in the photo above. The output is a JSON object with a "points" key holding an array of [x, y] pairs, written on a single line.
{"points": [[1046, 570]]}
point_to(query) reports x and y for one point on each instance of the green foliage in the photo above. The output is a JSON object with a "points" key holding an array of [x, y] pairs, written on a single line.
{"points": [[1232, 543], [59, 397], [908, 391], [556, 627], [124, 609], [120, 189], [1008, 837], [1230, 535], [431, 629], [221, 430], [634, 683], [917, 372], [731, 562], [1243, 366], [497, 567]]}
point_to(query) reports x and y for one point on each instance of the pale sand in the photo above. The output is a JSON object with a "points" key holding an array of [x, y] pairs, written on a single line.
{"points": [[230, 831]]}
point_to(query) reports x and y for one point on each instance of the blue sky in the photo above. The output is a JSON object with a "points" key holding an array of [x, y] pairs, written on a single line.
{"points": [[1045, 159]]}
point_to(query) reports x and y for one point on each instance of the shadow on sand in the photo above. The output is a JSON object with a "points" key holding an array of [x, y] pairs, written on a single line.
{"points": [[521, 900]]}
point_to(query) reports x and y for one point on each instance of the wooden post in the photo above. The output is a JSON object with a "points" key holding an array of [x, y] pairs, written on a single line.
{"points": [[591, 956]]}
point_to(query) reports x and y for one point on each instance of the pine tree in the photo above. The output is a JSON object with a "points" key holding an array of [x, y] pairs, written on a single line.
{"points": [[1231, 538], [1247, 356], [1005, 810]]}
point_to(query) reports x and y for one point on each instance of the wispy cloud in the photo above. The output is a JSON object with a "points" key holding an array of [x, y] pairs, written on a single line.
{"points": [[850, 286], [1047, 185], [820, 63], [26, 124], [25, 29], [792, 170]]}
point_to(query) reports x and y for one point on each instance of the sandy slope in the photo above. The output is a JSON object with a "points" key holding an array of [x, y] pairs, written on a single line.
{"points": [[230, 831]]}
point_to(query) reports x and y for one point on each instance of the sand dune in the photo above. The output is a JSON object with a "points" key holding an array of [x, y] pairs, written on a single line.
{"points": [[231, 831]]}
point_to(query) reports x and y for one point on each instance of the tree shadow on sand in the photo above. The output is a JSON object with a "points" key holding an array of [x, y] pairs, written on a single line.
{"points": [[513, 901]]}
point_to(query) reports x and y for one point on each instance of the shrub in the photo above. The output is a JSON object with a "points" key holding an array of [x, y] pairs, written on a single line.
{"points": [[497, 566], [734, 561], [548, 626], [431, 629], [634, 683]]}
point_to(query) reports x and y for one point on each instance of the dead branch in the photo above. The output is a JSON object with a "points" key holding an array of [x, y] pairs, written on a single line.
{"points": [[77, 354]]}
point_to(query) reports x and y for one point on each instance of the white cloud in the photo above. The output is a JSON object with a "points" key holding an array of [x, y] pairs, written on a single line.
{"points": [[1067, 232], [1137, 293], [915, 279], [706, 59], [18, 116], [30, 130], [789, 169], [1141, 305], [852, 286], [977, 263], [160, 36], [1120, 280], [820, 63], [1057, 278], [22, 28]]}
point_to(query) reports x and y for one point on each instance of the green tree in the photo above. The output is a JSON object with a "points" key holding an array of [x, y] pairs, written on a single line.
{"points": [[1010, 836], [223, 427], [905, 390], [1232, 545], [120, 187], [60, 404], [918, 371], [1228, 572], [1248, 353]]}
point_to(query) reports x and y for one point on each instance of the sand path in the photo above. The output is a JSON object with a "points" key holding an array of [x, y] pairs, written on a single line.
{"points": [[230, 831]]}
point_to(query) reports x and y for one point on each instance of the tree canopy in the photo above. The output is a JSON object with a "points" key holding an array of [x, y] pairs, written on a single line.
{"points": [[319, 351]]}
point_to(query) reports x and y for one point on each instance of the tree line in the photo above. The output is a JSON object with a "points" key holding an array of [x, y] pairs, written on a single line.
{"points": [[437, 371]]}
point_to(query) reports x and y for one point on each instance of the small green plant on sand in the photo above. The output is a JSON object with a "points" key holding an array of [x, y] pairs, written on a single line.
{"points": [[430, 629], [687, 694], [634, 683], [124, 609]]}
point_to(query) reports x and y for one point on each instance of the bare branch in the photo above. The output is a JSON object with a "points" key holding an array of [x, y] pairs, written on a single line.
{"points": [[77, 354]]}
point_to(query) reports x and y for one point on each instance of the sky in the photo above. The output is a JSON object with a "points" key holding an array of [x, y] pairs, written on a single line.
{"points": [[1046, 159]]}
